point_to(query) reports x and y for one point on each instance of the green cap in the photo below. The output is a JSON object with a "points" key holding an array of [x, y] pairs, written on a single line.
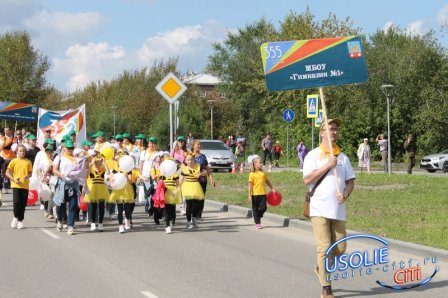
{"points": [[72, 132], [140, 136], [66, 138], [181, 138], [99, 133], [31, 137], [126, 136], [49, 148], [118, 136], [49, 141], [86, 143], [69, 144], [153, 140]]}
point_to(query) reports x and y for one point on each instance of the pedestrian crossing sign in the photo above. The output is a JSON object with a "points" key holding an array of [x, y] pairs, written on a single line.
{"points": [[312, 105], [319, 118]]}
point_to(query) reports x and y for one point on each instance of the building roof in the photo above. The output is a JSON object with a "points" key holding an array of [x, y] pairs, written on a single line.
{"points": [[204, 79]]}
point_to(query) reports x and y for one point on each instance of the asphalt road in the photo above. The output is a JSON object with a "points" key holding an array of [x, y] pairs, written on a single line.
{"points": [[225, 257]]}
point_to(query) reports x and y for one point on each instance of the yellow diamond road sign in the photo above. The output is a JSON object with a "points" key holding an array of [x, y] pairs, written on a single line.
{"points": [[171, 88]]}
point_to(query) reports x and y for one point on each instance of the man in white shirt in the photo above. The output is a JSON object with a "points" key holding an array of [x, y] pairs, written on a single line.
{"points": [[327, 205]]}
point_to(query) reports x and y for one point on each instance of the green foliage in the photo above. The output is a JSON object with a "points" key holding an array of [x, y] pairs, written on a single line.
{"points": [[415, 65], [22, 69]]}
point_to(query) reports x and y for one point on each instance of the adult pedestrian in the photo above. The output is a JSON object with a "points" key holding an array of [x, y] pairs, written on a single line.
{"points": [[382, 142], [180, 150], [32, 150], [241, 147], [410, 145], [327, 205], [302, 151], [266, 145], [7, 152], [67, 189], [364, 155]]}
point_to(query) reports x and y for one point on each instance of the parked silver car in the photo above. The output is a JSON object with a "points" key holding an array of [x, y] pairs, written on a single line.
{"points": [[219, 156], [435, 162]]}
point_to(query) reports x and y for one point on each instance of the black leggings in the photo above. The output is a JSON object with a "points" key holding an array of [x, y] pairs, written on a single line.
{"points": [[259, 207], [170, 213], [19, 201], [193, 207], [127, 212], [92, 212]]}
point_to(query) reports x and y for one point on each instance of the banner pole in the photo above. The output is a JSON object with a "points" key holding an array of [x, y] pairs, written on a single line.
{"points": [[324, 111]]}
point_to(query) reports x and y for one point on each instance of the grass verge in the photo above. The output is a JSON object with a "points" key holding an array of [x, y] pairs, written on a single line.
{"points": [[405, 207]]}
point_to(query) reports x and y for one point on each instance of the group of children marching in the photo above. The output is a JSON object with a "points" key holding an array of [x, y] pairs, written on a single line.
{"points": [[92, 174]]}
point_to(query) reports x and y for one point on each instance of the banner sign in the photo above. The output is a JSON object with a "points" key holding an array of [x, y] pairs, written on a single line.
{"points": [[18, 111], [300, 64], [312, 105], [61, 123]]}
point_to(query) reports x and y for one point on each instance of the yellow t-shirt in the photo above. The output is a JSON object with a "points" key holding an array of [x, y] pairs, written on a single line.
{"points": [[20, 168], [258, 180]]}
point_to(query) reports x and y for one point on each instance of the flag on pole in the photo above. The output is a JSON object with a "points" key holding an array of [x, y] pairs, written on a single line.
{"points": [[61, 123]]}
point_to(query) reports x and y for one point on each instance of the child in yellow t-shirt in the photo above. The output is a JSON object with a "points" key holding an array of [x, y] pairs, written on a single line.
{"points": [[19, 172], [257, 190]]}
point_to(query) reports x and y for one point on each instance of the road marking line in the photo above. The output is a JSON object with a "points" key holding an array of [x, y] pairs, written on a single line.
{"points": [[52, 235], [148, 294]]}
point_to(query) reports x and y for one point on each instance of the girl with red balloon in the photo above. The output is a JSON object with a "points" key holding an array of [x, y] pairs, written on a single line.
{"points": [[257, 190], [19, 172]]}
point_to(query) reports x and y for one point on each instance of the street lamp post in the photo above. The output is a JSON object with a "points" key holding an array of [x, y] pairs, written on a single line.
{"points": [[114, 108], [211, 103], [387, 90]]}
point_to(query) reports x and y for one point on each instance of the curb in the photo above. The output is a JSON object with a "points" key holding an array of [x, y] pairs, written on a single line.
{"points": [[407, 247], [245, 212]]}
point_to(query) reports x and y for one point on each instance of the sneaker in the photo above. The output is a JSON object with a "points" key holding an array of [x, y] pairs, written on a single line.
{"points": [[59, 226], [50, 216], [194, 222], [70, 230], [14, 223], [183, 212], [168, 230], [189, 225], [65, 226], [20, 225], [127, 224], [42, 207], [258, 226], [327, 292], [93, 227], [121, 229], [100, 227]]}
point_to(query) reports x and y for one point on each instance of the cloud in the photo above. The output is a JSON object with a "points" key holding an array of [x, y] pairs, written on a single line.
{"points": [[388, 25], [13, 12], [192, 44], [86, 63], [417, 28], [65, 28], [442, 16]]}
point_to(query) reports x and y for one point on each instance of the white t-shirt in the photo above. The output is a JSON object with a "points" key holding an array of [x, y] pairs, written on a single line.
{"points": [[324, 203], [65, 166], [40, 156]]}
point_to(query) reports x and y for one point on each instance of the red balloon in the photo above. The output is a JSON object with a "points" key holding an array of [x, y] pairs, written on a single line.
{"points": [[82, 204], [274, 198], [32, 197]]}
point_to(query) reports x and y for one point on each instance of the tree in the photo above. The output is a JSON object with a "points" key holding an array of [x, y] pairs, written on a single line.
{"points": [[22, 69]]}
